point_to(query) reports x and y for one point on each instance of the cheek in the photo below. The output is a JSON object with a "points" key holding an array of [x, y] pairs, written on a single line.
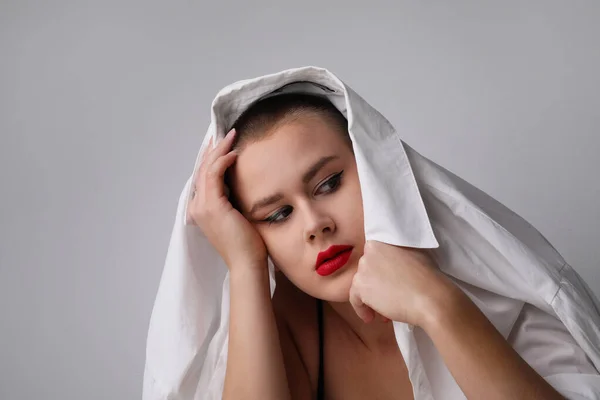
{"points": [[282, 246], [352, 207]]}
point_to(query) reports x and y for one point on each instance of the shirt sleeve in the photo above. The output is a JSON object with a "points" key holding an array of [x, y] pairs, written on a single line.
{"points": [[547, 346]]}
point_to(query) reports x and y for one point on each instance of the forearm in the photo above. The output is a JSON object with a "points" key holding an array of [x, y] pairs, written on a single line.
{"points": [[481, 361], [255, 368]]}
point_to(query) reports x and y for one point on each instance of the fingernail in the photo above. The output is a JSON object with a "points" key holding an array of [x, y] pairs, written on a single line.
{"points": [[231, 133]]}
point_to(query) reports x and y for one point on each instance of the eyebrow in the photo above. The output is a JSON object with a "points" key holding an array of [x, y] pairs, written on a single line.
{"points": [[307, 177]]}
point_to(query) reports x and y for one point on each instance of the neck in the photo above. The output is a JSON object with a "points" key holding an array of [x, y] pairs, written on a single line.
{"points": [[375, 335]]}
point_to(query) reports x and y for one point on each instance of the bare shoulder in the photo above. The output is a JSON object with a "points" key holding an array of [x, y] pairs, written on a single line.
{"points": [[296, 315]]}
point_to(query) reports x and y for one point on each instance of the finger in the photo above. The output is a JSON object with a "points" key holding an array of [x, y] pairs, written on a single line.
{"points": [[207, 149], [363, 311], [198, 176], [222, 148], [210, 156], [215, 175], [198, 179], [213, 184]]}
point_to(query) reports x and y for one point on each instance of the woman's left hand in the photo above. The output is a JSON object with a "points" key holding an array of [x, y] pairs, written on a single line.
{"points": [[404, 284], [400, 283]]}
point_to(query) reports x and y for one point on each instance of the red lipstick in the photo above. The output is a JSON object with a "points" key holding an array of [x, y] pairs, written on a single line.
{"points": [[332, 259]]}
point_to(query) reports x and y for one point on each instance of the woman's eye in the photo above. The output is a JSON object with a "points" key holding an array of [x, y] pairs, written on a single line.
{"points": [[279, 216], [330, 184]]}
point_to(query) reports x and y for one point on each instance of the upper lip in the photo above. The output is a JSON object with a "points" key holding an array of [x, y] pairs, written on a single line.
{"points": [[330, 253]]}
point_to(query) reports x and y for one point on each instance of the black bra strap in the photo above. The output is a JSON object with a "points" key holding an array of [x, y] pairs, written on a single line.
{"points": [[321, 382]]}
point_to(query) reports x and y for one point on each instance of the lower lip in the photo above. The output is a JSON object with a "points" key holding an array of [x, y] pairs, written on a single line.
{"points": [[335, 263]]}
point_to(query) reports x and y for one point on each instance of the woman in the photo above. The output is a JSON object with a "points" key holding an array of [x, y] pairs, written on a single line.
{"points": [[296, 199]]}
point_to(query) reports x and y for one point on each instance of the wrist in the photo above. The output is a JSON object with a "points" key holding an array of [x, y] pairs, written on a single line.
{"points": [[249, 270], [244, 262], [442, 307]]}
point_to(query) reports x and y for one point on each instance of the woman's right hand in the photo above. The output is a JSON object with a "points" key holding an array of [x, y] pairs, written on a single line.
{"points": [[232, 235]]}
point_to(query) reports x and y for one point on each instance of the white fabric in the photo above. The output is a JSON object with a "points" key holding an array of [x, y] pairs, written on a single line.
{"points": [[521, 283]]}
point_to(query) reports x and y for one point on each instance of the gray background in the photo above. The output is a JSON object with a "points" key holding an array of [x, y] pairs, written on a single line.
{"points": [[103, 105]]}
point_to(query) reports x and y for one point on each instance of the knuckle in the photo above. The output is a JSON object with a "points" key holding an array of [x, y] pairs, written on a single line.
{"points": [[356, 281], [218, 164], [198, 210], [196, 213], [202, 163], [198, 182], [211, 173], [362, 263], [206, 211]]}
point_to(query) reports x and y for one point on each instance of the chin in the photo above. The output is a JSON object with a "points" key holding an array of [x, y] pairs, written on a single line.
{"points": [[338, 289], [335, 288]]}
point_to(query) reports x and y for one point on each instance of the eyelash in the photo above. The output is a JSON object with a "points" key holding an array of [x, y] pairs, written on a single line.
{"points": [[334, 180]]}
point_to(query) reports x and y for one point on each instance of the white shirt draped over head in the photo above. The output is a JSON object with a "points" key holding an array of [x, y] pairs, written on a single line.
{"points": [[519, 281]]}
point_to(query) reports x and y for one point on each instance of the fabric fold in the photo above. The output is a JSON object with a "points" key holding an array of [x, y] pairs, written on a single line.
{"points": [[491, 253]]}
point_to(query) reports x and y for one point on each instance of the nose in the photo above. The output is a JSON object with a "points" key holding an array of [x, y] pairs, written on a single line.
{"points": [[318, 224]]}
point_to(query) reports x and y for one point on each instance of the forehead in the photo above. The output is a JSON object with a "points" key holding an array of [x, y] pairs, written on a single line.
{"points": [[268, 165]]}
